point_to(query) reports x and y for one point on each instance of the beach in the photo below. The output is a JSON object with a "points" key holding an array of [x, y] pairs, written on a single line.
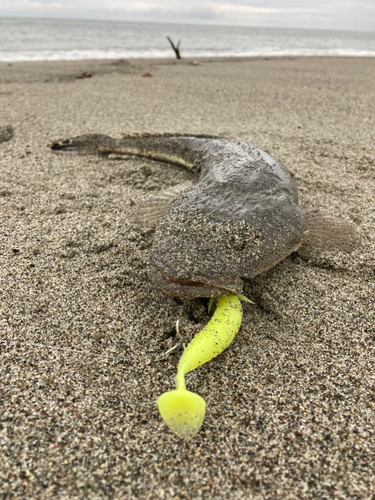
{"points": [[83, 332]]}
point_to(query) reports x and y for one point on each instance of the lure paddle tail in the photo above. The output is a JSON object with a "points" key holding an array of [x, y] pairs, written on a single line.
{"points": [[183, 411]]}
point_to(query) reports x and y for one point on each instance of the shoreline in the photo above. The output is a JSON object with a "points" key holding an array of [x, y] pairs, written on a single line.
{"points": [[217, 58], [64, 71], [83, 332]]}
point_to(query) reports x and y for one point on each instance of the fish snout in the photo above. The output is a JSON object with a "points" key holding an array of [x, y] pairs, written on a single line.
{"points": [[194, 286]]}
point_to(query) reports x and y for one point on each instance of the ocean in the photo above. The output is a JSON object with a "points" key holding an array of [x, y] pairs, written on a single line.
{"points": [[31, 39]]}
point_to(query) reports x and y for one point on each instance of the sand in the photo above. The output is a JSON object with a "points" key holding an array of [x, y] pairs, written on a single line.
{"points": [[83, 332]]}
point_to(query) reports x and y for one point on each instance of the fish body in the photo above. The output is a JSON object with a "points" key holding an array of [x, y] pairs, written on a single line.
{"points": [[239, 219]]}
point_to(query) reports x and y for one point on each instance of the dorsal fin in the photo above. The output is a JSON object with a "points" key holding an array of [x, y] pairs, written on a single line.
{"points": [[167, 134], [152, 210]]}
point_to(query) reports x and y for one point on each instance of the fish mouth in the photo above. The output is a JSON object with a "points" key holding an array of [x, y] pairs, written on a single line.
{"points": [[192, 288]]}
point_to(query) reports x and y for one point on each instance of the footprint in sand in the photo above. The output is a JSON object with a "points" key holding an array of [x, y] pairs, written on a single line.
{"points": [[6, 133]]}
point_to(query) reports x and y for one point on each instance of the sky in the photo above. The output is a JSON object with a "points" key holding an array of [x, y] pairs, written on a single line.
{"points": [[358, 15]]}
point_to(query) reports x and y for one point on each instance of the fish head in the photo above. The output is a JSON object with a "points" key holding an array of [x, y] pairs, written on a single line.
{"points": [[196, 255], [202, 252]]}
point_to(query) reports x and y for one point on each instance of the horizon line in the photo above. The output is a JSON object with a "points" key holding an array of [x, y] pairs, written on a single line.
{"points": [[186, 23]]}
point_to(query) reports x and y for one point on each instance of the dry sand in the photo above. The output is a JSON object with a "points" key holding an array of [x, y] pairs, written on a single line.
{"points": [[291, 402]]}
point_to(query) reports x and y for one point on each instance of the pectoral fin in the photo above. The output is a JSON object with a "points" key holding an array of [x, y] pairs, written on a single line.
{"points": [[325, 232], [150, 213]]}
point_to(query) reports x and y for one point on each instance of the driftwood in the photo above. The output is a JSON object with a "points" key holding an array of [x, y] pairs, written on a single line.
{"points": [[176, 48]]}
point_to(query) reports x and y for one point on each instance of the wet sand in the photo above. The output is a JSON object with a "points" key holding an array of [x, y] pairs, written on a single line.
{"points": [[290, 405]]}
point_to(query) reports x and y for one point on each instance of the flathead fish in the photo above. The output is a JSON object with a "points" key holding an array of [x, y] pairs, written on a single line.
{"points": [[240, 218]]}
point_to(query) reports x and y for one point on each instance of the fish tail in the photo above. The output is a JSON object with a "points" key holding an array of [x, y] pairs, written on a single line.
{"points": [[89, 144], [182, 150]]}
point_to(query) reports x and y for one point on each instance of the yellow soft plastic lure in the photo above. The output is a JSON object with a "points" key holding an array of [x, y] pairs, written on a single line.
{"points": [[182, 410]]}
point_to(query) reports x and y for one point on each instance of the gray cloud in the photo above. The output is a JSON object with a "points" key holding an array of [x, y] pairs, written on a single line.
{"points": [[324, 14]]}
